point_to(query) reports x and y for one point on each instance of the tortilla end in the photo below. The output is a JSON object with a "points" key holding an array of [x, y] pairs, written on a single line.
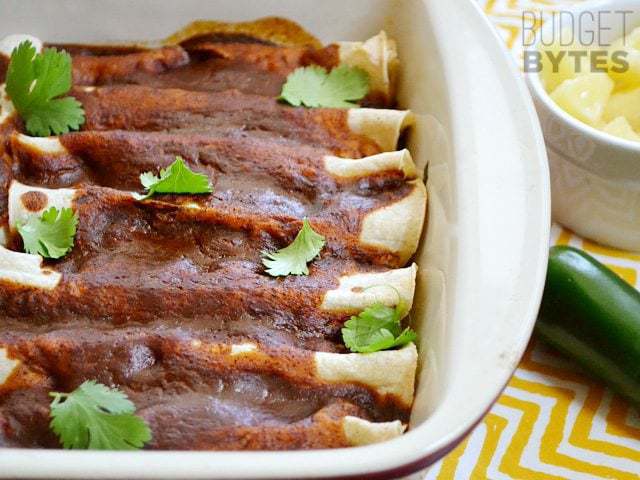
{"points": [[358, 291], [378, 56], [359, 432], [397, 227], [26, 201], [390, 372], [348, 168], [383, 126]]}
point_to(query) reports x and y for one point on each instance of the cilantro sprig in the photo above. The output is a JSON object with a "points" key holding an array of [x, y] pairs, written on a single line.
{"points": [[376, 328], [176, 178], [96, 417], [314, 87], [292, 259], [51, 234], [34, 82]]}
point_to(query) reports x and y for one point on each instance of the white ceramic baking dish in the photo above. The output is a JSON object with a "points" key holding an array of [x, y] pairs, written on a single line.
{"points": [[482, 261]]}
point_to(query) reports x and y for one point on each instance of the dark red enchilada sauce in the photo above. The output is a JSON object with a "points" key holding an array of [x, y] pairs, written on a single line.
{"points": [[154, 293]]}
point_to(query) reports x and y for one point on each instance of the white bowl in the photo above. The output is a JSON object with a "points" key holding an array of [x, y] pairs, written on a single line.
{"points": [[482, 262], [595, 176]]}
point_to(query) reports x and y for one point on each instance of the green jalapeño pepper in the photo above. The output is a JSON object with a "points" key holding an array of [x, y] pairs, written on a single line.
{"points": [[592, 315]]}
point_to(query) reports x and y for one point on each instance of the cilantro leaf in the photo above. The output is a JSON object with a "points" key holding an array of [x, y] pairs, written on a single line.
{"points": [[177, 178], [34, 81], [96, 417], [292, 260], [50, 235], [377, 327], [314, 87]]}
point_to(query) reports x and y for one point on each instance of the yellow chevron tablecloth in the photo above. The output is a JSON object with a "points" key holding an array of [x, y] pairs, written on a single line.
{"points": [[553, 421]]}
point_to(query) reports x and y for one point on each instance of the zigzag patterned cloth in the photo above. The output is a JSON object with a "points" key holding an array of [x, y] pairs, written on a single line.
{"points": [[552, 422]]}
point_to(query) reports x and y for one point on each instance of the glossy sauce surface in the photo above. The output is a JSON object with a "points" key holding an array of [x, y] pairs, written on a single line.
{"points": [[154, 293]]}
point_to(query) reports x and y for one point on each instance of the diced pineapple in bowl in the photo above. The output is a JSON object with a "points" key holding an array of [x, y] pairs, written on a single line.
{"points": [[595, 96], [620, 127], [588, 102], [625, 104], [562, 48], [584, 96], [630, 45]]}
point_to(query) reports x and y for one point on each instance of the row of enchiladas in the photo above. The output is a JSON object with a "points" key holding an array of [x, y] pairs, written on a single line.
{"points": [[167, 297]]}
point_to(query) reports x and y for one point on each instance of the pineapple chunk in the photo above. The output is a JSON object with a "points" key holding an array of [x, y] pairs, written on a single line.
{"points": [[584, 97], [631, 45], [565, 69], [621, 128], [624, 104]]}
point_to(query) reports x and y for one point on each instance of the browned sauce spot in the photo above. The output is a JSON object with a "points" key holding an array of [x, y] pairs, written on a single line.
{"points": [[33, 201]]}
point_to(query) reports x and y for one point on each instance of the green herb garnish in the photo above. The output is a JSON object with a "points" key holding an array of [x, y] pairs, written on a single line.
{"points": [[50, 235], [96, 417], [34, 81], [292, 260], [177, 178], [377, 327], [314, 87]]}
